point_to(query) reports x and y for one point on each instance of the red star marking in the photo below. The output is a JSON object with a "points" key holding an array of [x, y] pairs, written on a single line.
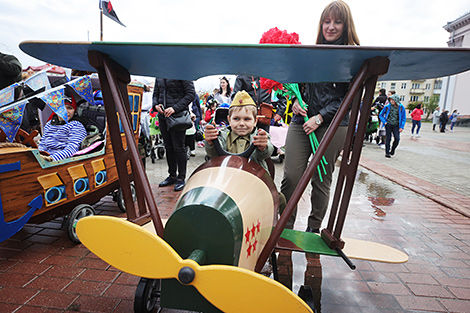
{"points": [[247, 235], [254, 245], [258, 227], [248, 251], [253, 230]]}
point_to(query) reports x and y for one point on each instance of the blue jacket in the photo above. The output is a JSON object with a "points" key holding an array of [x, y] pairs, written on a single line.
{"points": [[401, 115]]}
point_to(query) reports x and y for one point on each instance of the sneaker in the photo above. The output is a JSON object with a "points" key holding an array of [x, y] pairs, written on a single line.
{"points": [[312, 230], [387, 155], [192, 153], [168, 181], [392, 152], [417, 136], [200, 144], [179, 185]]}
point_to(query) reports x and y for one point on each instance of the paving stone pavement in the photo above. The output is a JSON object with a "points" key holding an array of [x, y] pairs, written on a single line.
{"points": [[417, 202]]}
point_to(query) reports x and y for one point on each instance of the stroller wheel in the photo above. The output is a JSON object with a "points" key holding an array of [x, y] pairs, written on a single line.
{"points": [[160, 152]]}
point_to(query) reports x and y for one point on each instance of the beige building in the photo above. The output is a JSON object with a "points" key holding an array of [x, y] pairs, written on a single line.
{"points": [[453, 90]]}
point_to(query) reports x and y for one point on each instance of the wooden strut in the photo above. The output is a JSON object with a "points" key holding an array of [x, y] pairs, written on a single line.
{"points": [[367, 77], [113, 80]]}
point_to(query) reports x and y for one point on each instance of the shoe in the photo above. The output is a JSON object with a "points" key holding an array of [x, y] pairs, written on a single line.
{"points": [[312, 230], [168, 181], [192, 153], [387, 155], [417, 136], [179, 185], [392, 152]]}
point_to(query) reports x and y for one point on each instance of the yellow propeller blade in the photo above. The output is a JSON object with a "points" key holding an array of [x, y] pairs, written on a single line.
{"points": [[235, 289], [134, 250], [129, 247]]}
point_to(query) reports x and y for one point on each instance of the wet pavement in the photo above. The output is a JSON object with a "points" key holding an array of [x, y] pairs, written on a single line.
{"points": [[418, 201]]}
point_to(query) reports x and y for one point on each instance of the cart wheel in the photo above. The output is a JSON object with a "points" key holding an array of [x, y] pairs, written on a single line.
{"points": [[281, 158], [147, 295], [77, 213], [306, 294], [120, 198], [160, 152]]}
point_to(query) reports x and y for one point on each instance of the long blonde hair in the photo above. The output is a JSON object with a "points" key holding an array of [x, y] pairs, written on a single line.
{"points": [[339, 10]]}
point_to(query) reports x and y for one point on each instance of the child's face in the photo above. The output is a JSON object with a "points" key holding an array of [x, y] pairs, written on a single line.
{"points": [[70, 111], [242, 121]]}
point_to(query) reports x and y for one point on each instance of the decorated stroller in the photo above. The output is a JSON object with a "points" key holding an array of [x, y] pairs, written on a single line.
{"points": [[372, 126], [157, 149]]}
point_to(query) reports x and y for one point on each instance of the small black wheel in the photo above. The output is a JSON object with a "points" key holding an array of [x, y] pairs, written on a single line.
{"points": [[147, 295], [160, 152], [77, 213], [306, 294], [120, 198], [281, 158]]}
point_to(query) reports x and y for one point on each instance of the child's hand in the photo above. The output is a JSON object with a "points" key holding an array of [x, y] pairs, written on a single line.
{"points": [[260, 140], [210, 133]]}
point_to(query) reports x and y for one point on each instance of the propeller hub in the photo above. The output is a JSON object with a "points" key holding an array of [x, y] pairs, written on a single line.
{"points": [[186, 275]]}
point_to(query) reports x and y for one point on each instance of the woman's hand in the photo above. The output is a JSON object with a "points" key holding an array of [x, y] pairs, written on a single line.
{"points": [[260, 140], [168, 111], [210, 133], [159, 108], [310, 126], [297, 109]]}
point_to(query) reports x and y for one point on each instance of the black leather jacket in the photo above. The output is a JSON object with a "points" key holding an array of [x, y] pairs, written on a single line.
{"points": [[243, 82], [179, 93], [324, 98]]}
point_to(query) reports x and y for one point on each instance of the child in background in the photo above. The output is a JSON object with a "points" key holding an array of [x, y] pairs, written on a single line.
{"points": [[62, 139]]}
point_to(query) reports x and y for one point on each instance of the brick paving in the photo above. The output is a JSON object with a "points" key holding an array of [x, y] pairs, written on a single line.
{"points": [[417, 201]]}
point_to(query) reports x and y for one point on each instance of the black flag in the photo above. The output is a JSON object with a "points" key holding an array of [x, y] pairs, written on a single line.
{"points": [[109, 11]]}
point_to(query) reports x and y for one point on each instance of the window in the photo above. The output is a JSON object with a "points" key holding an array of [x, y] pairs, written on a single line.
{"points": [[402, 98], [392, 86], [415, 86], [383, 85], [428, 86], [426, 98], [403, 85], [438, 84], [414, 98]]}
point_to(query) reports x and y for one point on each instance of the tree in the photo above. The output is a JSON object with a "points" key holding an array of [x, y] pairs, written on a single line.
{"points": [[431, 105]]}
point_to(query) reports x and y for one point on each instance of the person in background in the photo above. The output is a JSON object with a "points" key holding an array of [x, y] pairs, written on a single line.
{"points": [[453, 120], [224, 95], [210, 111], [62, 139], [172, 96], [10, 70], [416, 120], [444, 118], [393, 116], [435, 118], [336, 26], [379, 104]]}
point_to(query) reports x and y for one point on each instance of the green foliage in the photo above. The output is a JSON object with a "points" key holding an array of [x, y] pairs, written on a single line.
{"points": [[412, 105], [432, 105]]}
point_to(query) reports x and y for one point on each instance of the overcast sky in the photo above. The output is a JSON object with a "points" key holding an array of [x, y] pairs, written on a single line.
{"points": [[394, 23]]}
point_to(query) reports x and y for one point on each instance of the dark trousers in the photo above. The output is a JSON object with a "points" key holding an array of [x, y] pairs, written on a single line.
{"points": [[175, 147], [415, 124], [389, 131]]}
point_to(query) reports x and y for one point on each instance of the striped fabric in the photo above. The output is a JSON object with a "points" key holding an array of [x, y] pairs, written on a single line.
{"points": [[62, 141]]}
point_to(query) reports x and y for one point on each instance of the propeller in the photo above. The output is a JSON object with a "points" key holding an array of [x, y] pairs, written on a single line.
{"points": [[136, 251]]}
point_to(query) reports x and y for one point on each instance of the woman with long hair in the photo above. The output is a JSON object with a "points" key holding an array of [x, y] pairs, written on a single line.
{"points": [[336, 27], [225, 92]]}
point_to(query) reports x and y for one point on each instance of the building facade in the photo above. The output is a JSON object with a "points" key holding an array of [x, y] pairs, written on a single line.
{"points": [[453, 90]]}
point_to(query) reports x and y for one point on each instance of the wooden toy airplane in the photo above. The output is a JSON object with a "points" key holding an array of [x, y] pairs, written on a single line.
{"points": [[225, 224]]}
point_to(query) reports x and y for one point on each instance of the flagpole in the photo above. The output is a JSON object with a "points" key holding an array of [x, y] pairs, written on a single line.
{"points": [[101, 24]]}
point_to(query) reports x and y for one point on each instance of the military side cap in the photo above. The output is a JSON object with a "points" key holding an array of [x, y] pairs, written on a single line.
{"points": [[242, 98]]}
